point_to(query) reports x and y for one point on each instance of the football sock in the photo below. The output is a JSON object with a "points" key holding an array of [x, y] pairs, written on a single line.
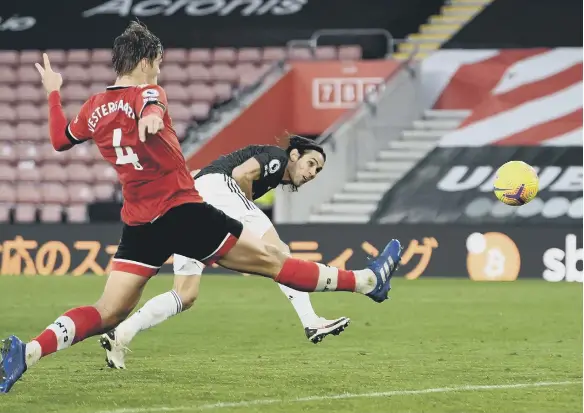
{"points": [[311, 276], [155, 311], [301, 302], [72, 327]]}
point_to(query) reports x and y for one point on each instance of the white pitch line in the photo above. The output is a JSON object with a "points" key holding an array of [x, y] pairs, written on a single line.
{"points": [[221, 405]]}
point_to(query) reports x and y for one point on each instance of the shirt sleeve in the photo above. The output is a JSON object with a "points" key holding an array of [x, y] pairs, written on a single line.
{"points": [[272, 160], [150, 95], [77, 130]]}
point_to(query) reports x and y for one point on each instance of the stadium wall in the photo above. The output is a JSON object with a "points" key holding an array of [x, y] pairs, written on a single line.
{"points": [[481, 253]]}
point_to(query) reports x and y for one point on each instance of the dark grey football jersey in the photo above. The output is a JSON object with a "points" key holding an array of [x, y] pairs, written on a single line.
{"points": [[272, 160]]}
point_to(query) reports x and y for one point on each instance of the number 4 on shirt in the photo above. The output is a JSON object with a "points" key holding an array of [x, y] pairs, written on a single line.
{"points": [[125, 155]]}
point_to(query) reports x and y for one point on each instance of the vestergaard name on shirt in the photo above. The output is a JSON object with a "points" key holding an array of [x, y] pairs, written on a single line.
{"points": [[106, 109]]}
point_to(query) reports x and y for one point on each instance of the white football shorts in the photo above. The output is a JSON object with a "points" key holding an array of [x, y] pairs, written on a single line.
{"points": [[223, 193]]}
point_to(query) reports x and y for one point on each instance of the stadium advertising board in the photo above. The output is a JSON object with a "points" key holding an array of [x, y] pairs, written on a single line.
{"points": [[482, 253], [33, 24]]}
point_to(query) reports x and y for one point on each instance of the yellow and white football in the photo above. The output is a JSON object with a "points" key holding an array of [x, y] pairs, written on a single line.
{"points": [[516, 183]]}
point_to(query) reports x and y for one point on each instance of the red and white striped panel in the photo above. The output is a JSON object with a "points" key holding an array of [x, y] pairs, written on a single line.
{"points": [[515, 97]]}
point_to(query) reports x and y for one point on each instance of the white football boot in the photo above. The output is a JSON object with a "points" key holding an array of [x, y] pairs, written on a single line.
{"points": [[115, 352], [322, 327]]}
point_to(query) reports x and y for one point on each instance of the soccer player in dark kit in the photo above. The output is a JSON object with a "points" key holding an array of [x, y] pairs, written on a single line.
{"points": [[131, 125], [231, 183]]}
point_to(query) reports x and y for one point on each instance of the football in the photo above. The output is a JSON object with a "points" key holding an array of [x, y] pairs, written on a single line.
{"points": [[516, 183]]}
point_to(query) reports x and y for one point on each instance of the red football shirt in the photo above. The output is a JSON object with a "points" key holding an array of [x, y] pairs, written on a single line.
{"points": [[153, 174]]}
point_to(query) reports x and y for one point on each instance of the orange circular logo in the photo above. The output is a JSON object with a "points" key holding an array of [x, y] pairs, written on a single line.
{"points": [[492, 257]]}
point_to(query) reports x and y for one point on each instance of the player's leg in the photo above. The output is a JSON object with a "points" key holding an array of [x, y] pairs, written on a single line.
{"points": [[252, 255], [156, 310], [139, 256], [316, 328]]}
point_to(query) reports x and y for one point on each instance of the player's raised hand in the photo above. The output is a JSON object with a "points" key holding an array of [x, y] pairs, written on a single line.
{"points": [[149, 124], [51, 80]]}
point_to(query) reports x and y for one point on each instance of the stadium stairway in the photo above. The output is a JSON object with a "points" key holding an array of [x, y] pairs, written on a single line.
{"points": [[440, 28], [359, 198]]}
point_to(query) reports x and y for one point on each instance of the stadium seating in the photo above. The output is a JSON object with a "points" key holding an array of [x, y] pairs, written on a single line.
{"points": [[37, 183]]}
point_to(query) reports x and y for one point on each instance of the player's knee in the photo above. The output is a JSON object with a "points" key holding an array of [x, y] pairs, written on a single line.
{"points": [[272, 258]]}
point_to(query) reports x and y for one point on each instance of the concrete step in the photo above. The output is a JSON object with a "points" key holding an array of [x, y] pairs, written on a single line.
{"points": [[385, 176], [428, 37], [419, 47], [407, 55], [422, 135], [440, 28], [348, 209], [394, 166], [357, 197], [415, 145], [367, 186], [336, 218], [400, 155], [470, 2], [459, 114], [454, 19], [467, 11], [436, 124]]}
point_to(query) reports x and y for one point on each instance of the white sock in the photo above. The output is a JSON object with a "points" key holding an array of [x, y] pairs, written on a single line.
{"points": [[33, 353], [365, 281], [155, 311], [301, 302]]}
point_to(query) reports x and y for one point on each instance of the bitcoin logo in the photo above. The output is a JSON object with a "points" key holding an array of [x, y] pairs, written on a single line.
{"points": [[492, 256]]}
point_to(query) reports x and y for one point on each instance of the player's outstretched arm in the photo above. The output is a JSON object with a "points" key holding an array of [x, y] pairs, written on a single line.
{"points": [[52, 82], [245, 174]]}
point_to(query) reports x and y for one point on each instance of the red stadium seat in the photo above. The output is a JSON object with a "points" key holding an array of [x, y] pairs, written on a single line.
{"points": [[202, 56], [80, 193], [28, 131], [198, 73], [175, 91], [180, 128], [51, 172], [199, 92], [224, 55], [249, 55], [103, 191], [175, 56], [273, 54], [30, 57], [30, 93], [77, 213], [223, 73], [300, 53], [7, 194], [7, 132], [326, 53], [7, 113], [97, 88], [179, 112], [7, 75], [27, 152], [28, 74], [57, 56], [7, 173], [75, 91], [102, 73], [103, 172], [27, 112], [200, 111], [223, 91], [54, 193], [5, 213], [49, 155], [27, 172], [77, 172], [80, 154], [81, 57], [102, 56], [7, 94], [51, 213], [7, 154], [8, 57], [174, 73], [25, 213], [77, 73], [350, 53], [28, 193], [72, 109]]}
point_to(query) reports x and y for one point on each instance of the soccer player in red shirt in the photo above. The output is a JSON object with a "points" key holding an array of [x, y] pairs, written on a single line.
{"points": [[130, 124]]}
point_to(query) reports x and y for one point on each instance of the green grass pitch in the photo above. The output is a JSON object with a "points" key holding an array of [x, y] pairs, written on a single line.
{"points": [[242, 349]]}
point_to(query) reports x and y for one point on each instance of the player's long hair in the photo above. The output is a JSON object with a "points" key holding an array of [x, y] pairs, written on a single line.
{"points": [[133, 45], [289, 142]]}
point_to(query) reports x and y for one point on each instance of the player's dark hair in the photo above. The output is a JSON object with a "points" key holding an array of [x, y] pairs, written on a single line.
{"points": [[133, 45], [302, 145]]}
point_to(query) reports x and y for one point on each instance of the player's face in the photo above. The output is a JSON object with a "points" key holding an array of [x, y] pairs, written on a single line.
{"points": [[307, 167]]}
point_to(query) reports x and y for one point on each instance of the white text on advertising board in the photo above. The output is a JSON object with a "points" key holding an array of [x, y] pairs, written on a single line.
{"points": [[342, 92]]}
